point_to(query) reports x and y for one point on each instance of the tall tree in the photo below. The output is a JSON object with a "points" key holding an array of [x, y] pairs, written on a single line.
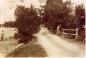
{"points": [[56, 12], [80, 14], [27, 22]]}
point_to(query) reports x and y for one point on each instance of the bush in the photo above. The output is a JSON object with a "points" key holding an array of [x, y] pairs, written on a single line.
{"points": [[27, 22]]}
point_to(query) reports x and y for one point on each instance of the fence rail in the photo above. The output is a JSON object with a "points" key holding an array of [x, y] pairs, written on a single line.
{"points": [[74, 30]]}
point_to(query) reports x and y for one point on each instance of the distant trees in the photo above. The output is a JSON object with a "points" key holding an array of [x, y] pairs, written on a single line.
{"points": [[27, 22], [9, 24], [56, 12]]}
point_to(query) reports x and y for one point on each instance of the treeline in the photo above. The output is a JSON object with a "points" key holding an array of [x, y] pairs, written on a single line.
{"points": [[9, 24], [55, 12]]}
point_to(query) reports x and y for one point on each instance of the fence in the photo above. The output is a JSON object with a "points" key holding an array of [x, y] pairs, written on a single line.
{"points": [[71, 32]]}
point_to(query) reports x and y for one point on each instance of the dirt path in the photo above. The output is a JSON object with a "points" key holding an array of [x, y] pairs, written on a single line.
{"points": [[58, 47]]}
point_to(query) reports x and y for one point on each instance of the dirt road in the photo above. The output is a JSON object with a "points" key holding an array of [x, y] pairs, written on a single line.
{"points": [[59, 47]]}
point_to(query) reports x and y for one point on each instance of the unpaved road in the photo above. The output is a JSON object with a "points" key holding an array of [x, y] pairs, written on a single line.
{"points": [[59, 47]]}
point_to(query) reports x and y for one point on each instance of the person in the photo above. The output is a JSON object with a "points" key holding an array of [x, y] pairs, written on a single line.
{"points": [[58, 29], [16, 36], [2, 36]]}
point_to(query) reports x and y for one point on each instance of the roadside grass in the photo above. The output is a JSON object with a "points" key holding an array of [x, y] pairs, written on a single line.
{"points": [[7, 45], [31, 49]]}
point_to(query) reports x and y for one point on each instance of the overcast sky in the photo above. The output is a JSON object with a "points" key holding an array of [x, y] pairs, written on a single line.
{"points": [[7, 7]]}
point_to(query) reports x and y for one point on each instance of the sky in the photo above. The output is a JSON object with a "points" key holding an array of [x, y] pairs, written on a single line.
{"points": [[7, 7]]}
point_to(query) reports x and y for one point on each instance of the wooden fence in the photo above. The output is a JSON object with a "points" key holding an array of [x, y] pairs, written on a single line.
{"points": [[71, 32]]}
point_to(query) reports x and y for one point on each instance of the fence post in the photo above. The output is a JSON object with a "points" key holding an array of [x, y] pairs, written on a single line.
{"points": [[76, 37]]}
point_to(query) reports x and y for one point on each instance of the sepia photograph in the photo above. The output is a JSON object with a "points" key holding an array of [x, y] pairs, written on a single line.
{"points": [[42, 28]]}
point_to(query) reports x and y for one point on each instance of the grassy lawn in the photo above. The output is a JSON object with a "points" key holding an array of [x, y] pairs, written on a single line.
{"points": [[31, 49], [7, 45]]}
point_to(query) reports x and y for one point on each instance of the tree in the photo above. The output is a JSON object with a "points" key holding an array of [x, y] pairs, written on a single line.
{"points": [[56, 12], [80, 14], [27, 22]]}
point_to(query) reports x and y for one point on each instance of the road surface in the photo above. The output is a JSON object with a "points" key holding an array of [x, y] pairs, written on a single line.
{"points": [[56, 46]]}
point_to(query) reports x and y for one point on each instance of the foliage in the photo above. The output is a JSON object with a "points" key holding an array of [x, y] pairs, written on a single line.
{"points": [[27, 22], [56, 12], [80, 14], [9, 24]]}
